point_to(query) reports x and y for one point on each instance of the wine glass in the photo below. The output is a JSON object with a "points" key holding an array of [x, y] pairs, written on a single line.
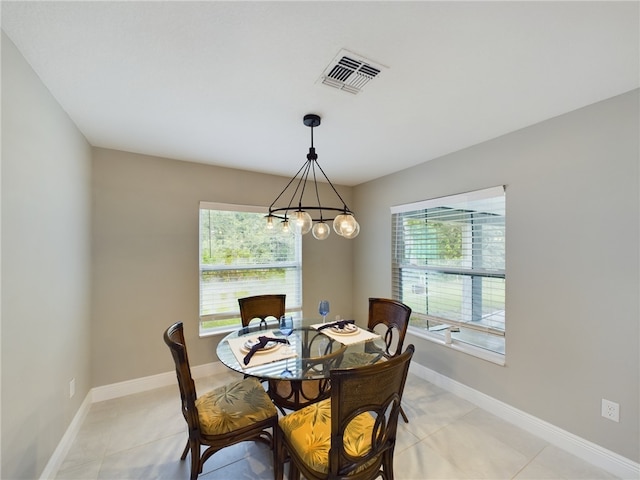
{"points": [[286, 329], [286, 325], [323, 309]]}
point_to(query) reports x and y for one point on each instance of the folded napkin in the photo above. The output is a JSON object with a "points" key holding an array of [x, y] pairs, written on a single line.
{"points": [[340, 324], [262, 342]]}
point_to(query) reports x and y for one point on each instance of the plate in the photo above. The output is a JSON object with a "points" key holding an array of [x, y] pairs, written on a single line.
{"points": [[267, 348], [349, 329]]}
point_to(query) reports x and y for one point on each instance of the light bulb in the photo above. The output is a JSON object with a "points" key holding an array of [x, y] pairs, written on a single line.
{"points": [[321, 230], [344, 224], [269, 222], [353, 233], [336, 224], [285, 226], [303, 222]]}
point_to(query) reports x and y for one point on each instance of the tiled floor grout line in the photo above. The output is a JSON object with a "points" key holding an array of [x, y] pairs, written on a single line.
{"points": [[529, 462], [427, 457]]}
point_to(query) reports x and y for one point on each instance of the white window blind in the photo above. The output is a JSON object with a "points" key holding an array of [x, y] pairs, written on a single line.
{"points": [[239, 257], [449, 263]]}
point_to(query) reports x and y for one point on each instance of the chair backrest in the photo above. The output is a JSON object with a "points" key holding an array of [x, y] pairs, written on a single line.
{"points": [[394, 316], [261, 306], [374, 389], [174, 338]]}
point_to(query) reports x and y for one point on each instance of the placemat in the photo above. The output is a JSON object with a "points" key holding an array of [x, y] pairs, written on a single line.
{"points": [[280, 352], [349, 339]]}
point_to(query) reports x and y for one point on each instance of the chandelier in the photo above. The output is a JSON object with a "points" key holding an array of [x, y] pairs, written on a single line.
{"points": [[302, 219]]}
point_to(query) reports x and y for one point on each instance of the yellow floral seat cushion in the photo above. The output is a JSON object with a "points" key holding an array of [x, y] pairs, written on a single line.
{"points": [[308, 431], [233, 406]]}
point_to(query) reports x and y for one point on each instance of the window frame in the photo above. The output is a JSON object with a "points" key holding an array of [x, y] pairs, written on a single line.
{"points": [[416, 209], [293, 302]]}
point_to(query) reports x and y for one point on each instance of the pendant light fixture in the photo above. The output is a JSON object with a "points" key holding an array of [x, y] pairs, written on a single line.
{"points": [[314, 217]]}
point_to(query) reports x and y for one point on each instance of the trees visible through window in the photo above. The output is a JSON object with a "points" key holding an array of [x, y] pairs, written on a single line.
{"points": [[239, 258], [449, 266]]}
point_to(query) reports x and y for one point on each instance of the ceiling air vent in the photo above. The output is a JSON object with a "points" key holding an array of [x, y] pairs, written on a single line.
{"points": [[350, 72]]}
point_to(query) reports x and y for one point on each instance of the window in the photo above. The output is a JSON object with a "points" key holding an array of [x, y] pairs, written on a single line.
{"points": [[448, 265], [239, 257]]}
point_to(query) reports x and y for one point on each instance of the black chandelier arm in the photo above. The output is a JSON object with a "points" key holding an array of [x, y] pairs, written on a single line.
{"points": [[285, 188], [302, 182], [315, 183], [346, 209], [309, 164]]}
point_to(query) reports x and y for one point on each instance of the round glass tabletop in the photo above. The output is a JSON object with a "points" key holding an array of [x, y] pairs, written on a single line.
{"points": [[310, 354]]}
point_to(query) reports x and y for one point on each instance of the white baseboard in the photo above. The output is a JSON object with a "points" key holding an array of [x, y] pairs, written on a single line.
{"points": [[589, 452], [60, 453], [116, 390], [138, 385]]}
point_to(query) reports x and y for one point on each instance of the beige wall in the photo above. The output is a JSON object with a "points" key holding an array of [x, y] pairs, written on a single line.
{"points": [[572, 266], [145, 257], [572, 298], [45, 269]]}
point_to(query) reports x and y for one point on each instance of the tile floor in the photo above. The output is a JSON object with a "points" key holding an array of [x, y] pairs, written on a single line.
{"points": [[142, 436]]}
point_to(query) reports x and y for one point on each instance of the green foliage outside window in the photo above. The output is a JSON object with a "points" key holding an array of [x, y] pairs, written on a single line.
{"points": [[239, 257], [235, 238], [443, 240]]}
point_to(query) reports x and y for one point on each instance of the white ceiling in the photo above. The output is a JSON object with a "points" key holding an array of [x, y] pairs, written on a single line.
{"points": [[227, 83]]}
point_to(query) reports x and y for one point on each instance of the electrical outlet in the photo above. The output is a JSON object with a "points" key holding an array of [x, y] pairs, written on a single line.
{"points": [[72, 388], [610, 410]]}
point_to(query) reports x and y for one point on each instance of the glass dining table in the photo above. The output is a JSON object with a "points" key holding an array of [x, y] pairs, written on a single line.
{"points": [[298, 372]]}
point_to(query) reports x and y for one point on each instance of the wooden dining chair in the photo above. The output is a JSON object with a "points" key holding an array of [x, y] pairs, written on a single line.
{"points": [[351, 435], [286, 394], [237, 412], [261, 307], [390, 318]]}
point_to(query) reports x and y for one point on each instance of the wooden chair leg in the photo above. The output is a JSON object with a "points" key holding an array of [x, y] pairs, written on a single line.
{"points": [[278, 464], [196, 466], [186, 450], [387, 465], [294, 473], [404, 415]]}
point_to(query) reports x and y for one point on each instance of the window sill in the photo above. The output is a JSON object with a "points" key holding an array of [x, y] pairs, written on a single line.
{"points": [[477, 352], [213, 332]]}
